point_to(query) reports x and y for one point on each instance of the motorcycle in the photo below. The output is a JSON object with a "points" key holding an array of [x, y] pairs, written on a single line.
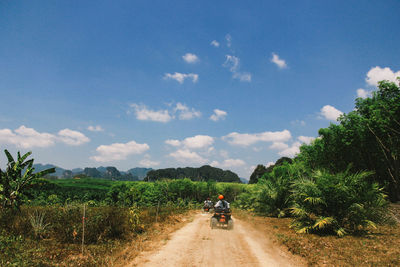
{"points": [[222, 218]]}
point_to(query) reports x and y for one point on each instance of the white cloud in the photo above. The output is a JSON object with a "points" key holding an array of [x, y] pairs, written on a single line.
{"points": [[25, 137], [232, 63], [180, 77], [218, 115], [306, 139], [228, 163], [96, 128], [195, 142], [145, 114], [363, 93], [198, 141], [185, 113], [190, 58], [173, 142], [118, 151], [279, 146], [228, 39], [214, 43], [242, 76], [291, 151], [279, 62], [147, 162], [187, 156], [249, 139], [330, 113], [377, 74], [73, 138]]}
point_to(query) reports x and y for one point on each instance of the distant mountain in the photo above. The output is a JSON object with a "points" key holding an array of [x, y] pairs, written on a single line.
{"points": [[110, 172], [40, 167], [244, 180], [204, 173], [139, 172]]}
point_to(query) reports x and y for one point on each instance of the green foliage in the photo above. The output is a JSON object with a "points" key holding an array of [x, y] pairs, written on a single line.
{"points": [[18, 175], [336, 203], [39, 227], [368, 138]]}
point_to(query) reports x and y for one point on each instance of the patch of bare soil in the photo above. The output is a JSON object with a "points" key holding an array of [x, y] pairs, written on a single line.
{"points": [[196, 244], [152, 238]]}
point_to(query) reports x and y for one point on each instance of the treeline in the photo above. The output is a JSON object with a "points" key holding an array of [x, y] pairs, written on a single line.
{"points": [[99, 192], [340, 182], [367, 138], [204, 173]]}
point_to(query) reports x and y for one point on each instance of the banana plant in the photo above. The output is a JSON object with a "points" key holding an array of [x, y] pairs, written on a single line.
{"points": [[18, 175]]}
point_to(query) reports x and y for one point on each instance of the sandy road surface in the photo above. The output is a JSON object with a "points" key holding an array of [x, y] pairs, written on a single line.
{"points": [[196, 244]]}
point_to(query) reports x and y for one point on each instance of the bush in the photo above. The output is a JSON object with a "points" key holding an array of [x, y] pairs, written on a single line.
{"points": [[337, 203]]}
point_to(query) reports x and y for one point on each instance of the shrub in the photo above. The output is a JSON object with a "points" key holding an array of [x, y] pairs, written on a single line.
{"points": [[337, 203]]}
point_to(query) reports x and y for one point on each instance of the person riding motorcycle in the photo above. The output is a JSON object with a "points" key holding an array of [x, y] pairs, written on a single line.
{"points": [[222, 203], [208, 203]]}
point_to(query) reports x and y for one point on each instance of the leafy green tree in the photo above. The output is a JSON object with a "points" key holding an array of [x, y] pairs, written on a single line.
{"points": [[14, 181], [258, 172], [367, 138]]}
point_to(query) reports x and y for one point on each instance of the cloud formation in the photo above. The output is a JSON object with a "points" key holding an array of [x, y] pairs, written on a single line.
{"points": [[144, 114], [249, 139], [291, 151], [186, 113], [25, 137], [188, 157], [377, 74], [180, 77], [330, 113], [279, 62], [228, 163], [218, 115], [363, 93], [306, 139], [96, 128], [232, 63], [118, 151], [214, 43], [195, 142], [147, 162], [73, 138], [190, 58]]}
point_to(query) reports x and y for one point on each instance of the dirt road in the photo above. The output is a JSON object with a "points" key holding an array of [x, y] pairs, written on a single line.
{"points": [[196, 244]]}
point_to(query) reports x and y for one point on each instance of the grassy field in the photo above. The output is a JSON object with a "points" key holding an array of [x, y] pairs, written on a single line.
{"points": [[378, 247]]}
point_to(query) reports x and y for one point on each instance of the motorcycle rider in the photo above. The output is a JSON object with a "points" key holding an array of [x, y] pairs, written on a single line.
{"points": [[222, 203], [208, 203]]}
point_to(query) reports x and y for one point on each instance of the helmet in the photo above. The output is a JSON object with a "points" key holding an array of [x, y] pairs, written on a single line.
{"points": [[220, 197]]}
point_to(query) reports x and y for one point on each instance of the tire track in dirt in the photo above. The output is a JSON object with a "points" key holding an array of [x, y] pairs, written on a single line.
{"points": [[196, 244]]}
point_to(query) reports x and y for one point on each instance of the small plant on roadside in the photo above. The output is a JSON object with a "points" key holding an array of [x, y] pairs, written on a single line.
{"points": [[39, 227]]}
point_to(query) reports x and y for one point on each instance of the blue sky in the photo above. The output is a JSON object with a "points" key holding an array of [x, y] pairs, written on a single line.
{"points": [[185, 83]]}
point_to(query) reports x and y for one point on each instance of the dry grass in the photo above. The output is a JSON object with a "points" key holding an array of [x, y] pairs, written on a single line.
{"points": [[117, 252], [379, 247]]}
